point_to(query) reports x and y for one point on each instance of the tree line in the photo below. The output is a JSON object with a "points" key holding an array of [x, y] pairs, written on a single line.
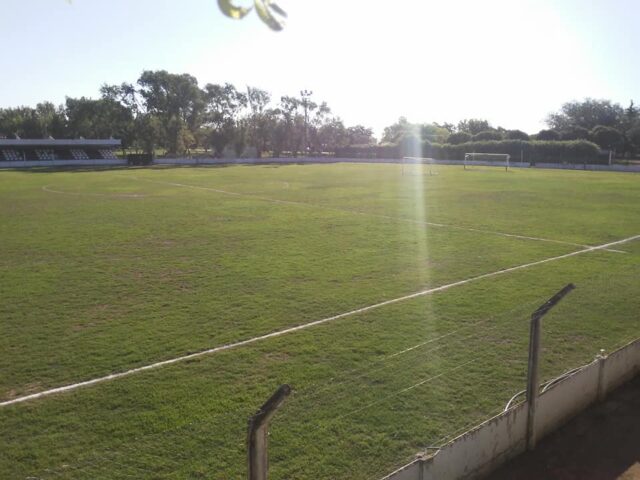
{"points": [[167, 111], [607, 124], [170, 111]]}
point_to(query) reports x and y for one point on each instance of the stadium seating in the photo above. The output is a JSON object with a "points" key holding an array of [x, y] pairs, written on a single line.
{"points": [[45, 154], [60, 150], [11, 155], [79, 154], [108, 154]]}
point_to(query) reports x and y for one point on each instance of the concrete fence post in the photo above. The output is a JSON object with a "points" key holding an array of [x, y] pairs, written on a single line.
{"points": [[533, 384], [601, 358], [257, 438]]}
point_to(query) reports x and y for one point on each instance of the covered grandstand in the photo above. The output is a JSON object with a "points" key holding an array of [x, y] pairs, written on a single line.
{"points": [[19, 152]]}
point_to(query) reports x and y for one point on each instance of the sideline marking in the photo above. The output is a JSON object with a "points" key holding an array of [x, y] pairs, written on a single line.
{"points": [[304, 326], [376, 215], [48, 189]]}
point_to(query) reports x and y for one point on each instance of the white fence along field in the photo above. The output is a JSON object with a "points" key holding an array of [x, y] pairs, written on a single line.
{"points": [[487, 446]]}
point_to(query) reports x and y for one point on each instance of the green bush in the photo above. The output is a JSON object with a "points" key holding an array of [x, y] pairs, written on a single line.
{"points": [[516, 135], [487, 135], [607, 137], [575, 133], [367, 151], [577, 151], [458, 138], [548, 135], [634, 137]]}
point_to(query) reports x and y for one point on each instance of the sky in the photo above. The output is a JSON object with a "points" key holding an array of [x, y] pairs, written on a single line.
{"points": [[511, 62]]}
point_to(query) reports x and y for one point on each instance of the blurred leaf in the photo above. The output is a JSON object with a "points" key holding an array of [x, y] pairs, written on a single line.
{"points": [[277, 9], [263, 7], [230, 10]]}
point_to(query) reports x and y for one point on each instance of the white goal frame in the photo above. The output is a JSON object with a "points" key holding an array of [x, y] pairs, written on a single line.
{"points": [[418, 161], [475, 157]]}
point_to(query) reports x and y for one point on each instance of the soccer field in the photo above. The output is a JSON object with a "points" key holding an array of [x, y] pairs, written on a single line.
{"points": [[411, 287]]}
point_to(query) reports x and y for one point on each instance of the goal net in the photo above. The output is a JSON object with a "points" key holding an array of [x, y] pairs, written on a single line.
{"points": [[487, 160], [417, 166]]}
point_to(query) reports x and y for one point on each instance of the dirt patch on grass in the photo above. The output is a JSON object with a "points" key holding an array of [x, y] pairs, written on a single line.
{"points": [[20, 391]]}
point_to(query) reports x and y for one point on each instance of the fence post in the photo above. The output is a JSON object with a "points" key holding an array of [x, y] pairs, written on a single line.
{"points": [[258, 457], [533, 384], [602, 388]]}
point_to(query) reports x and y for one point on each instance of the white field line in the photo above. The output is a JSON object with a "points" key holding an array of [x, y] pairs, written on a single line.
{"points": [[304, 326], [48, 189], [376, 215]]}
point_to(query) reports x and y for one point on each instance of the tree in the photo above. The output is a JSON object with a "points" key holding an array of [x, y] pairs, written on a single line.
{"points": [[608, 138], [459, 138], [473, 126], [575, 133], [332, 135], [51, 120], [149, 132], [102, 118], [395, 132], [40, 122], [586, 114], [259, 119], [223, 106], [292, 124], [449, 127], [359, 135], [403, 128], [176, 101], [20, 121], [634, 137], [488, 135], [434, 133], [516, 135], [549, 135], [631, 116]]}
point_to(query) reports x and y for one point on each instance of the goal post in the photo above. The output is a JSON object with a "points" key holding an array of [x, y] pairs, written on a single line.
{"points": [[417, 161], [487, 159]]}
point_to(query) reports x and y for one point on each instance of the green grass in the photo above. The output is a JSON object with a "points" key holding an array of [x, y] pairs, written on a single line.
{"points": [[96, 281]]}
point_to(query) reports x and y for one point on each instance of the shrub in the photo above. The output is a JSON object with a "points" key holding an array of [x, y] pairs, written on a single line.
{"points": [[548, 135], [607, 137], [575, 133], [487, 135], [634, 137], [369, 151], [577, 151], [516, 135], [410, 146], [458, 138]]}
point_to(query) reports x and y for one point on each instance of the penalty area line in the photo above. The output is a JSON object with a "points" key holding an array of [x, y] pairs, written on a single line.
{"points": [[304, 326]]}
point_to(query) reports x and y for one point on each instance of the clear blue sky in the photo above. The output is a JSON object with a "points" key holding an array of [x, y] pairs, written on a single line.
{"points": [[372, 61]]}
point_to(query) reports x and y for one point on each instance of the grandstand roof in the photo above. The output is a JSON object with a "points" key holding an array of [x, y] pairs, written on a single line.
{"points": [[50, 142]]}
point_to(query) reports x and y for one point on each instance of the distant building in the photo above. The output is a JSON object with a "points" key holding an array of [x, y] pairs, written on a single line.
{"points": [[58, 151]]}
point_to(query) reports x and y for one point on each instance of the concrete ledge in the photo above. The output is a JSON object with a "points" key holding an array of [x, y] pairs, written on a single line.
{"points": [[316, 160], [59, 163], [481, 450]]}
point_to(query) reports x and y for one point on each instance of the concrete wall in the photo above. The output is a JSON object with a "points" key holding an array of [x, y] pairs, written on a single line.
{"points": [[599, 168], [60, 163], [267, 161], [566, 399], [310, 160], [481, 450], [621, 366]]}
